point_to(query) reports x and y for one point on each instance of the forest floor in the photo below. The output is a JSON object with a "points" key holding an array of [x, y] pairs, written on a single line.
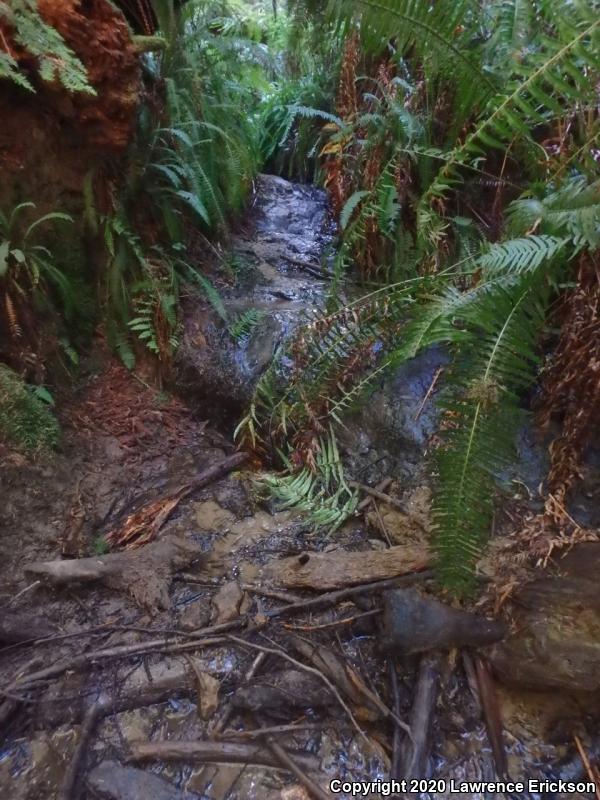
{"points": [[236, 654]]}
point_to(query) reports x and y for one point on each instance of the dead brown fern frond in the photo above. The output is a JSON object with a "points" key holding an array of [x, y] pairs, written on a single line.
{"points": [[571, 383], [11, 314]]}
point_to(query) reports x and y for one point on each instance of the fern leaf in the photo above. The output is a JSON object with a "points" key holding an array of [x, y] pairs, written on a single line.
{"points": [[519, 255], [350, 206]]}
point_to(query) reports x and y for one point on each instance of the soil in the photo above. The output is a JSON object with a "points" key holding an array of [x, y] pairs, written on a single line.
{"points": [[126, 444]]}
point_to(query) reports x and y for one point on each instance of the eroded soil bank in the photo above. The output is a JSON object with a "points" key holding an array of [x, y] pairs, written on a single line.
{"points": [[154, 684]]}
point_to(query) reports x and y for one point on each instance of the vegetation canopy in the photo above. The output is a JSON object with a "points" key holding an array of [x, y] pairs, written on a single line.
{"points": [[458, 145]]}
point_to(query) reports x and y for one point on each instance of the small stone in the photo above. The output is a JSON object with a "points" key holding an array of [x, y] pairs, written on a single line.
{"points": [[226, 603], [194, 616]]}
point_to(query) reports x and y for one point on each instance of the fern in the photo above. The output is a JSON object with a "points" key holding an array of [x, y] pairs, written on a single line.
{"points": [[321, 492], [573, 211], [494, 364], [544, 84], [244, 324], [518, 255], [350, 207], [55, 60]]}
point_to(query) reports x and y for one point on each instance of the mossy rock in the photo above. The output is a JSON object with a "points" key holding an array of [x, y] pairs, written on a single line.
{"points": [[26, 420]]}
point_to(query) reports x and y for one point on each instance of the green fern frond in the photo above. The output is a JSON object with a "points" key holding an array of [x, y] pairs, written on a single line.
{"points": [[519, 255], [493, 366], [573, 210], [544, 84], [244, 324], [55, 60], [323, 494]]}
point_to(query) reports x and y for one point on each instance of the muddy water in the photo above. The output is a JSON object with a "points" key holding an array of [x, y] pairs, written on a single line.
{"points": [[101, 470]]}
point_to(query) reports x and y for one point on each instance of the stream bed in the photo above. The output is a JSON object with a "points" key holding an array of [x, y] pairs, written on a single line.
{"points": [[125, 445]]}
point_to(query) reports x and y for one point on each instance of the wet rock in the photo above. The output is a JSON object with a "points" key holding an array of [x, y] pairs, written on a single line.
{"points": [[112, 781], [390, 433], [194, 616], [416, 624], [556, 644], [226, 603], [287, 230], [276, 694]]}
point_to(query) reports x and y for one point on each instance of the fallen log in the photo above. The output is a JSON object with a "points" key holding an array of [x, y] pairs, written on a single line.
{"points": [[338, 569], [216, 753], [145, 573], [416, 753]]}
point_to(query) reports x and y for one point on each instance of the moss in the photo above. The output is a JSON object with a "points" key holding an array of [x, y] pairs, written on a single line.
{"points": [[26, 420]]}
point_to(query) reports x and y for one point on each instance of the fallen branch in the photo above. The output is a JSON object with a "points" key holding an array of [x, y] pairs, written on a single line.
{"points": [[312, 670], [287, 762], [375, 493], [143, 525], [215, 753], [416, 753], [69, 783], [145, 573]]}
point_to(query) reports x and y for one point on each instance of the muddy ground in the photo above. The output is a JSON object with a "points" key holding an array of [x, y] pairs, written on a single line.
{"points": [[126, 445]]}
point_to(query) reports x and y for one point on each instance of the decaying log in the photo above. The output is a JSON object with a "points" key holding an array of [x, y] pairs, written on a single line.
{"points": [[216, 753], [416, 753], [144, 573], [338, 568]]}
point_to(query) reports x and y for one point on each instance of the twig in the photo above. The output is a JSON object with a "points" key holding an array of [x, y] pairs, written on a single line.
{"points": [[421, 719], [282, 654], [293, 727], [287, 761], [219, 724], [385, 498], [312, 269], [382, 524], [79, 662], [286, 597], [395, 769], [335, 623], [381, 487], [428, 393], [491, 715], [69, 783], [212, 752], [587, 764], [24, 591], [329, 598]]}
